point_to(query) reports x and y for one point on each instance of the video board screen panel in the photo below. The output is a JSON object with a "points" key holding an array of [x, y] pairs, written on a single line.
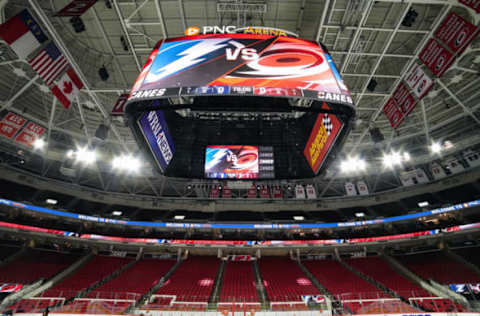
{"points": [[239, 162], [240, 64], [155, 130], [322, 137]]}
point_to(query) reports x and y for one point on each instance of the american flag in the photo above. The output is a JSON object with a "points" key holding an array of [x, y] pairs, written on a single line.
{"points": [[49, 63]]}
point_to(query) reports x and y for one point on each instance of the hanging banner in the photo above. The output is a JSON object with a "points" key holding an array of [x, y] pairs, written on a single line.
{"points": [[350, 189], [362, 187], [299, 192], [76, 8], [119, 107], [474, 4], [11, 124], [30, 134], [277, 193], [399, 106], [227, 192], [419, 82], [456, 32], [437, 58], [311, 193]]}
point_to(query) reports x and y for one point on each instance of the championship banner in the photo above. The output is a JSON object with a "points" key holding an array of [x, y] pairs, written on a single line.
{"points": [[119, 107], [419, 82], [399, 106], [456, 32], [437, 58], [323, 135], [277, 192], [474, 4], [393, 113], [11, 124], [214, 192], [299, 192], [76, 8], [226, 192], [264, 192], [30, 134]]}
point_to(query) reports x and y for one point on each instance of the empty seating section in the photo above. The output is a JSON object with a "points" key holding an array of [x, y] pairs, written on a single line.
{"points": [[471, 254], [7, 251], [439, 267], [34, 265], [381, 271], [284, 281], [95, 270], [134, 281], [238, 283], [193, 280], [341, 281]]}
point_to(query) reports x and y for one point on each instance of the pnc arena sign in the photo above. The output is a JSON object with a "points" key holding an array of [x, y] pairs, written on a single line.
{"points": [[232, 29]]}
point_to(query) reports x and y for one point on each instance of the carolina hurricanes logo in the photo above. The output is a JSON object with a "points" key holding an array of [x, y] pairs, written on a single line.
{"points": [[67, 87], [284, 60]]}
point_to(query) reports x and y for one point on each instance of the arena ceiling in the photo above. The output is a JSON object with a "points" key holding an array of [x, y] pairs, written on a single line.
{"points": [[365, 37]]}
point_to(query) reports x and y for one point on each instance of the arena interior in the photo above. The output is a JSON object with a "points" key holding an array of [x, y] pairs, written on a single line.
{"points": [[240, 157]]}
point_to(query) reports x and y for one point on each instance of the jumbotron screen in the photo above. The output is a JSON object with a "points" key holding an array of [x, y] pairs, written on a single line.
{"points": [[197, 92], [240, 64], [239, 162]]}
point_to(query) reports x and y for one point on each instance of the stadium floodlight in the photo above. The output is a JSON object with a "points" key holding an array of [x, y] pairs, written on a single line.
{"points": [[436, 147], [395, 158], [85, 155], [51, 201], [126, 163], [423, 204], [353, 164], [360, 214], [299, 218], [179, 217], [117, 213], [38, 144], [70, 154]]}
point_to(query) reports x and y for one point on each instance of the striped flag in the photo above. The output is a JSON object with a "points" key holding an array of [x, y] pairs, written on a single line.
{"points": [[22, 33], [49, 63]]}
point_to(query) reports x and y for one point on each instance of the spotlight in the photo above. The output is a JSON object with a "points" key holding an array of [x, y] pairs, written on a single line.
{"points": [[77, 24], [353, 164], [103, 73], [410, 18], [124, 43], [436, 147], [38, 144], [85, 155], [376, 135], [372, 85], [126, 163]]}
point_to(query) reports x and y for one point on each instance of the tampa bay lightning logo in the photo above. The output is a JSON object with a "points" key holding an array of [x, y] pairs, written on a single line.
{"points": [[185, 55]]}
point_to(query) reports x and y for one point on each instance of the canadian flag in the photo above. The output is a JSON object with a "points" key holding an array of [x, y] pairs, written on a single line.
{"points": [[67, 87]]}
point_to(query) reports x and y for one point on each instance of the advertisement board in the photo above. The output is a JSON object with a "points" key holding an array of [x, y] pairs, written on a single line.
{"points": [[239, 162], [322, 137], [456, 32], [155, 130], [437, 58], [240, 64]]}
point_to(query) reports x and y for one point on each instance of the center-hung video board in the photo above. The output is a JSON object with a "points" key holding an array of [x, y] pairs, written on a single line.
{"points": [[243, 65], [240, 64]]}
